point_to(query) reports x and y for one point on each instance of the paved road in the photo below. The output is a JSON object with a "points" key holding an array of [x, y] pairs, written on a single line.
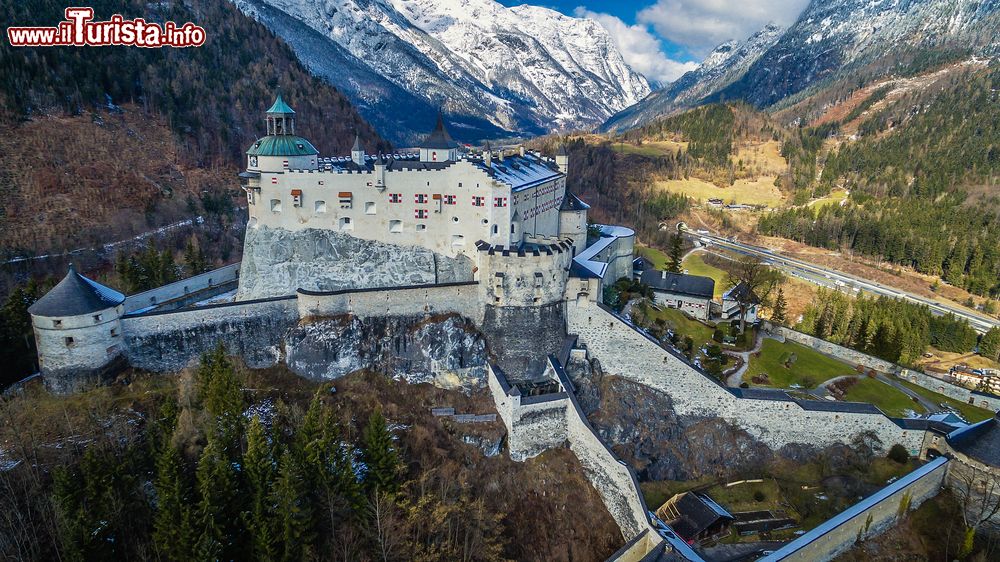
{"points": [[841, 281]]}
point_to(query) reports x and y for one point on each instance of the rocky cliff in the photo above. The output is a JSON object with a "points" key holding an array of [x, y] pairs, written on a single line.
{"points": [[447, 351], [277, 262]]}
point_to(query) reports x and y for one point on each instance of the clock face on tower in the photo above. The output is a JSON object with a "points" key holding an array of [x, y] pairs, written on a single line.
{"points": [[253, 161]]}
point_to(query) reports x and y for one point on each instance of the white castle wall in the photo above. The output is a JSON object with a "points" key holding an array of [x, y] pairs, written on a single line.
{"points": [[459, 298], [987, 401], [623, 351], [533, 277]]}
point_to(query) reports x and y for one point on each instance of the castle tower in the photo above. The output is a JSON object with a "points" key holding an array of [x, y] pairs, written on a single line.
{"points": [[77, 329], [358, 151], [281, 149], [562, 159], [439, 146]]}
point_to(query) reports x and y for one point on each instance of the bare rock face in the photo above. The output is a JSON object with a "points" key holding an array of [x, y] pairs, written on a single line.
{"points": [[640, 424], [447, 351], [277, 262]]}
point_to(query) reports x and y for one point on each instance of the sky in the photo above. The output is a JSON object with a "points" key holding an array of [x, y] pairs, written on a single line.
{"points": [[663, 39]]}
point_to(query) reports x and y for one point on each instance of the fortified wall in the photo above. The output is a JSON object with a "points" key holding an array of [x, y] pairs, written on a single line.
{"points": [[771, 416]]}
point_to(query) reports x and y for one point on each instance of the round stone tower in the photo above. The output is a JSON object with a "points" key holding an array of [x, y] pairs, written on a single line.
{"points": [[78, 331]]}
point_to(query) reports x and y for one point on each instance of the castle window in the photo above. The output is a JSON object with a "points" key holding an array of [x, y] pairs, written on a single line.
{"points": [[449, 199], [457, 240], [459, 184], [454, 219], [97, 318], [395, 197], [320, 206], [345, 199], [57, 323], [496, 229], [275, 205], [370, 208], [69, 341], [420, 198], [486, 221], [420, 213], [499, 201], [478, 201], [346, 224], [396, 226], [421, 227]]}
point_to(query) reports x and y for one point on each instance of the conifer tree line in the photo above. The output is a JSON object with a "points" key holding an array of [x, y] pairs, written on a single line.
{"points": [[923, 179], [892, 329], [213, 481]]}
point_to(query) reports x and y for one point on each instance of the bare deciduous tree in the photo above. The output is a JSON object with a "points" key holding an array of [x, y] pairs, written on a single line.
{"points": [[759, 281]]}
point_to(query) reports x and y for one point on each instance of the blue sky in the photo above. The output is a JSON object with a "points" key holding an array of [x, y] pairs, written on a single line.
{"points": [[662, 39]]}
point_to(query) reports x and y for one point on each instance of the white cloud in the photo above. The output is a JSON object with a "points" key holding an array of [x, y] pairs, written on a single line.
{"points": [[640, 48], [700, 25]]}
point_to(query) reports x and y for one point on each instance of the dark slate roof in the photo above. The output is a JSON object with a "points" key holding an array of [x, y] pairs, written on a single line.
{"points": [[282, 145], [697, 513], [736, 293], [980, 442], [562, 150], [280, 107], [572, 203], [76, 295], [641, 264], [439, 137], [579, 272], [678, 283]]}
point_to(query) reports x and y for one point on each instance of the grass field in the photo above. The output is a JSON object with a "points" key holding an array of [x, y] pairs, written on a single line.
{"points": [[658, 257], [651, 148], [810, 368], [968, 411], [757, 192], [764, 158], [888, 399], [700, 333], [834, 198], [695, 265]]}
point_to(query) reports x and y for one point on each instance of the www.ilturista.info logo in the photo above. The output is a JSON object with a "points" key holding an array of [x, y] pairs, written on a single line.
{"points": [[78, 30]]}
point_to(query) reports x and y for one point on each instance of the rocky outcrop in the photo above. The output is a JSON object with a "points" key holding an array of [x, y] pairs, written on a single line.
{"points": [[447, 351], [277, 262], [521, 338], [641, 426]]}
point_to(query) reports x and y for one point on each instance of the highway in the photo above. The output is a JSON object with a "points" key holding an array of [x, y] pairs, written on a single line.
{"points": [[840, 281]]}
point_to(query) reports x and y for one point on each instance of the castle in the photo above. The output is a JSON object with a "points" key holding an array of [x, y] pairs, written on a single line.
{"points": [[335, 246], [324, 232]]}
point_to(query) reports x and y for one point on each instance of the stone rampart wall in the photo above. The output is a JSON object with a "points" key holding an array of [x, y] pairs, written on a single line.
{"points": [[868, 518], [170, 341], [625, 351], [840, 352], [983, 400], [225, 275], [457, 298]]}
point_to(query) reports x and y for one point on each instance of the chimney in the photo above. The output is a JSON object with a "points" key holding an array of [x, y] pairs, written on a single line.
{"points": [[663, 274], [520, 149]]}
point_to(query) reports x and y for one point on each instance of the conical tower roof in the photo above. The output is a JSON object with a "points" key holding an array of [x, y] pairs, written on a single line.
{"points": [[357, 144], [280, 107], [76, 295], [439, 137]]}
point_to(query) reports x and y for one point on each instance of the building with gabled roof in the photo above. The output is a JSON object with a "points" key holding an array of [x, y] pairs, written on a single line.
{"points": [[691, 294]]}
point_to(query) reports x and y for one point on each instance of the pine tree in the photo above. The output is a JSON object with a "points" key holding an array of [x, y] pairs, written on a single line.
{"points": [[222, 397], [217, 492], [382, 464], [194, 260], [294, 512], [989, 345], [259, 467], [778, 313], [676, 253], [173, 532]]}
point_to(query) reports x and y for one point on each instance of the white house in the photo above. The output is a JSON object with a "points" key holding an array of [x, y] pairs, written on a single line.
{"points": [[691, 294]]}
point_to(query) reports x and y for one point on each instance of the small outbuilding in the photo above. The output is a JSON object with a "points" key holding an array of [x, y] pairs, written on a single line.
{"points": [[695, 516], [691, 294]]}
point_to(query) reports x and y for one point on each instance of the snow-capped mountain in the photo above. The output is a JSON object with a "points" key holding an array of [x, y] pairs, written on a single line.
{"points": [[834, 36], [831, 40], [725, 64], [492, 69]]}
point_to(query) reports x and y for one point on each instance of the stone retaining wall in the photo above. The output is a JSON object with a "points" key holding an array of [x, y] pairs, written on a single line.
{"points": [[840, 352], [225, 275]]}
